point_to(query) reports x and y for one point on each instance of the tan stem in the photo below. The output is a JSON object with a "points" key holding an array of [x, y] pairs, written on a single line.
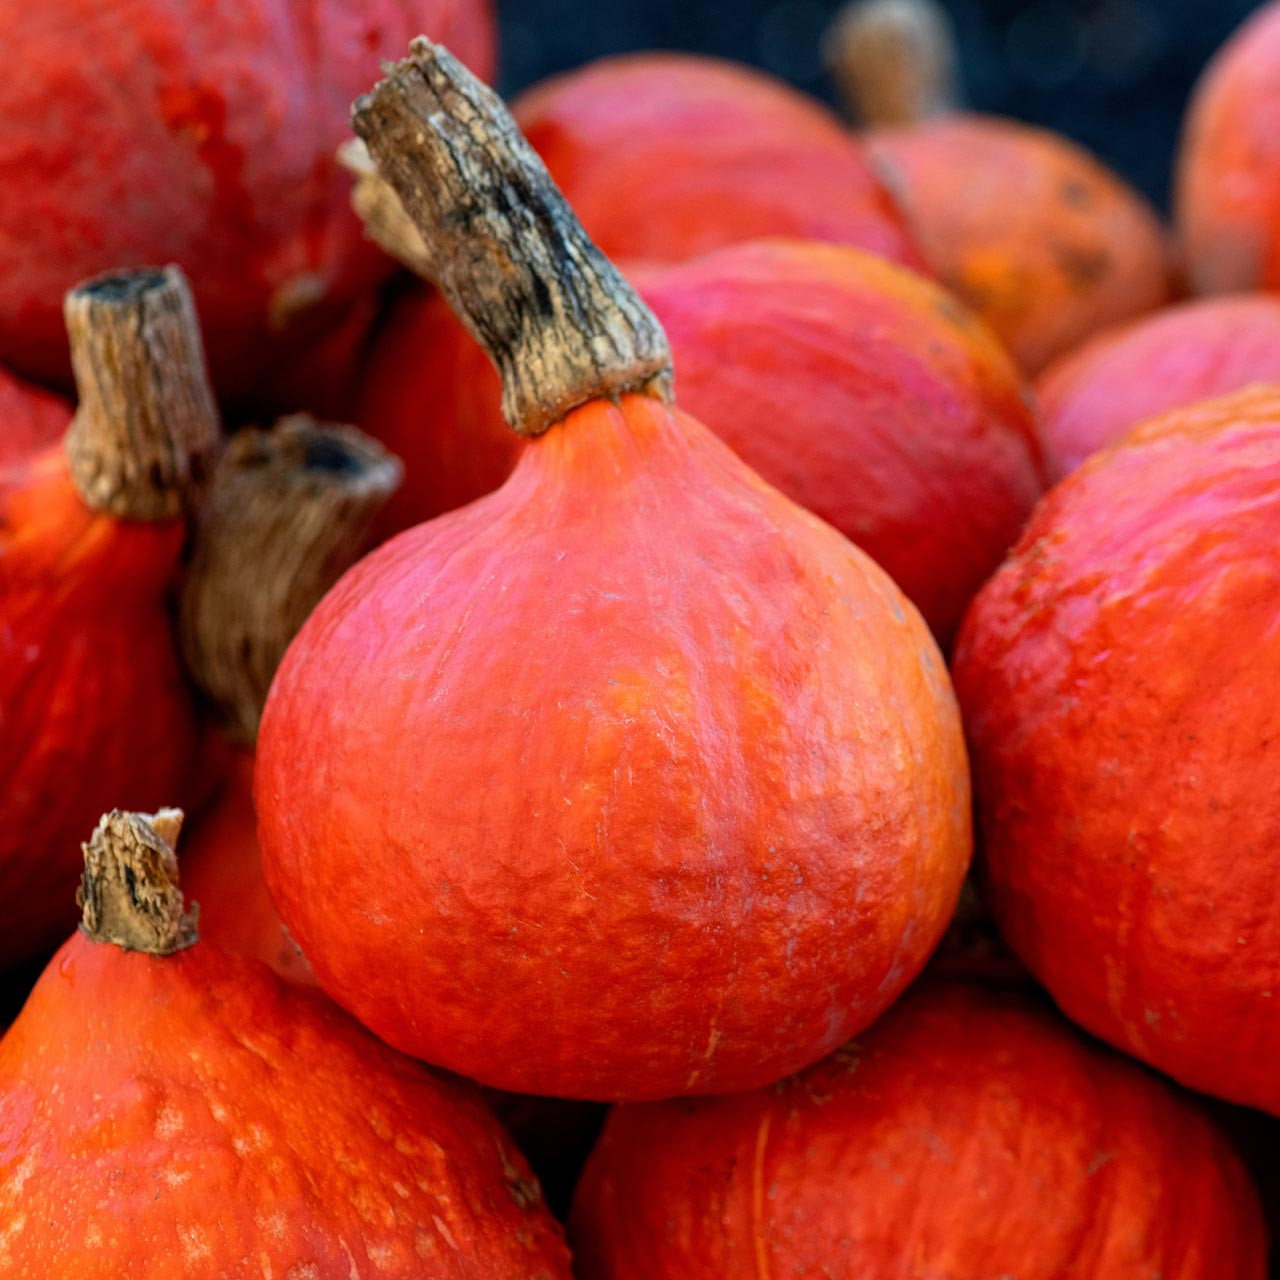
{"points": [[379, 209], [129, 891], [288, 512], [894, 61], [146, 431], [555, 316]]}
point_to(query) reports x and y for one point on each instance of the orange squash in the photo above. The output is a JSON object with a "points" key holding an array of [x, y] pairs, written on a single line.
{"points": [[1119, 678], [1227, 194], [90, 539], [168, 1109], [665, 156], [1039, 238], [639, 779], [864, 392], [969, 1134], [1166, 361]]}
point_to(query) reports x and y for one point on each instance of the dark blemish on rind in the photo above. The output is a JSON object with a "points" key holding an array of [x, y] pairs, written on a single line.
{"points": [[952, 311], [524, 1191], [1076, 193], [1083, 268]]}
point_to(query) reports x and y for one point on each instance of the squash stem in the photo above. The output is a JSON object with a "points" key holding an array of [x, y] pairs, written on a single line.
{"points": [[142, 441], [129, 892], [511, 257]]}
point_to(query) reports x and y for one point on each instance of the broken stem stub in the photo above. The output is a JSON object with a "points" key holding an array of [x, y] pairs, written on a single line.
{"points": [[288, 512], [894, 61], [142, 440], [382, 214], [129, 892], [554, 314]]}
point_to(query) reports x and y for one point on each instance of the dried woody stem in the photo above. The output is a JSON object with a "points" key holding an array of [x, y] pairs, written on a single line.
{"points": [[555, 316], [147, 427], [287, 513], [379, 209], [894, 61], [129, 891]]}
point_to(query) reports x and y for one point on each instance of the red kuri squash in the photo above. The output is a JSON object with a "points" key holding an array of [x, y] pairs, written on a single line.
{"points": [[636, 778], [968, 1135], [167, 1109], [665, 156], [1119, 679], [1228, 176], [204, 134], [1194, 351], [1044, 242]]}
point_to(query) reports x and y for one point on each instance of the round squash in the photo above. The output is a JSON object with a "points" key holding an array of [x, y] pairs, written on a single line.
{"points": [[1036, 235], [1227, 190], [219, 157], [969, 1134], [665, 156], [1194, 351], [167, 1109], [1118, 678], [638, 779]]}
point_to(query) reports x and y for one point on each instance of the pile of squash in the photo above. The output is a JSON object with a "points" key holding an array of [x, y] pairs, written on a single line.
{"points": [[733, 728]]}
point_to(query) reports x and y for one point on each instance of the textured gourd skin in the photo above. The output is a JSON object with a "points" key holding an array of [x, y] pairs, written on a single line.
{"points": [[862, 391], [191, 1115], [94, 707], [222, 873], [1040, 239], [201, 133], [633, 778], [1228, 174], [969, 1134], [30, 419], [1186, 353], [1118, 677], [666, 156]]}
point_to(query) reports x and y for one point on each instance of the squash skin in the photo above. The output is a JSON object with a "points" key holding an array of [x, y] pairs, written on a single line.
{"points": [[94, 704], [968, 1134], [1117, 679], [667, 156], [193, 1112], [222, 874], [864, 392], [1227, 189], [1194, 351], [615, 812], [30, 419], [1031, 231], [431, 395], [220, 157]]}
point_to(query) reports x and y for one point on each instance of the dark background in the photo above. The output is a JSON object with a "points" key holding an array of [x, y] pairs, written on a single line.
{"points": [[1113, 74]]}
